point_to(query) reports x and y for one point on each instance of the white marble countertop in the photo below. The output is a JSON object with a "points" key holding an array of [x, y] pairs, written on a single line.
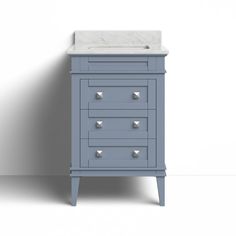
{"points": [[117, 42]]}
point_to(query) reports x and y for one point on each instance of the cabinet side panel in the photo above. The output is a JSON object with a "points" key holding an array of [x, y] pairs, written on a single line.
{"points": [[75, 121], [160, 116], [151, 94], [152, 153]]}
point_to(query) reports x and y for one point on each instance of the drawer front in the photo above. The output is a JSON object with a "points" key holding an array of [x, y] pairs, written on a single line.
{"points": [[118, 94], [117, 64], [118, 124], [117, 153]]}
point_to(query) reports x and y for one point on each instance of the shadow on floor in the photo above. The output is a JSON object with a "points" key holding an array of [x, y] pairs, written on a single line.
{"points": [[56, 189], [131, 189]]}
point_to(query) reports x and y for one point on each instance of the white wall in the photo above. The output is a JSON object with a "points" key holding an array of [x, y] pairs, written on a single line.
{"points": [[200, 83]]}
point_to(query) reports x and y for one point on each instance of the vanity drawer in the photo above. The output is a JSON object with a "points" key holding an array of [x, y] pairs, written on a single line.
{"points": [[117, 64], [118, 123], [117, 153], [118, 94]]}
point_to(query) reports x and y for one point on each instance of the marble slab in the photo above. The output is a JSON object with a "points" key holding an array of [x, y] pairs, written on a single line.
{"points": [[117, 42]]}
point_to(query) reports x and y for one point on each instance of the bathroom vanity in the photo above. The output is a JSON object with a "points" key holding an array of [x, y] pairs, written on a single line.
{"points": [[117, 97]]}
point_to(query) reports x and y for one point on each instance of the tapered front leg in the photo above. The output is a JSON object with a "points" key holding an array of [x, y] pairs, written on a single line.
{"points": [[161, 190], [74, 190]]}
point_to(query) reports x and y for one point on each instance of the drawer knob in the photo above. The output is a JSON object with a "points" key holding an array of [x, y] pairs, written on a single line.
{"points": [[136, 124], [99, 153], [99, 124], [99, 95], [136, 153], [136, 95]]}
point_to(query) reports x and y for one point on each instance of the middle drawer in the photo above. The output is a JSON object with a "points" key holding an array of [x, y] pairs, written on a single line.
{"points": [[118, 124]]}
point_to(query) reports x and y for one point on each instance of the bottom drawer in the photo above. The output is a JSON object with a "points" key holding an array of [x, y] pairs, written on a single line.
{"points": [[120, 153]]}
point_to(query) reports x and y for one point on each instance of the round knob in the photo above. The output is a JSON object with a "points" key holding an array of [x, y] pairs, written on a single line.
{"points": [[136, 95], [99, 153], [135, 153], [99, 95], [136, 124], [99, 124]]}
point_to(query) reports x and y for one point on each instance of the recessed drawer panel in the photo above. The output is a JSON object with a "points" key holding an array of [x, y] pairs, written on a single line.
{"points": [[117, 64], [118, 124], [117, 94], [114, 154]]}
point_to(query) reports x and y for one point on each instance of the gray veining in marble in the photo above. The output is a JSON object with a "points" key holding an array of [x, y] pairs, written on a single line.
{"points": [[117, 42]]}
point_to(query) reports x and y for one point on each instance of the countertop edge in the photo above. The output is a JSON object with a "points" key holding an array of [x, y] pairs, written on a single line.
{"points": [[72, 51]]}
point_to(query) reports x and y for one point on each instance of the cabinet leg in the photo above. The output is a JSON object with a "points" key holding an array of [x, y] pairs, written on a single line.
{"points": [[74, 190], [161, 190]]}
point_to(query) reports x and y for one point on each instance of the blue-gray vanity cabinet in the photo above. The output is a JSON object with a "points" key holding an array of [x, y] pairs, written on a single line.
{"points": [[117, 118]]}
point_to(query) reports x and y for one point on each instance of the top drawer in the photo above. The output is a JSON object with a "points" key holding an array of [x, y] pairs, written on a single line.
{"points": [[118, 94], [117, 64]]}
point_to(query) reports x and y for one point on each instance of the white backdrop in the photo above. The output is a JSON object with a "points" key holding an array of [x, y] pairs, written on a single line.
{"points": [[200, 79]]}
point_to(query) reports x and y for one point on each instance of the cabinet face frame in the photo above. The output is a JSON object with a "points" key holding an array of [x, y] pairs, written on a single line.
{"points": [[157, 78]]}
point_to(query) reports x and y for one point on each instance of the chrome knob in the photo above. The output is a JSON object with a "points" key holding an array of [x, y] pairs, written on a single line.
{"points": [[99, 153], [99, 124], [99, 95], [136, 153], [136, 95], [136, 124]]}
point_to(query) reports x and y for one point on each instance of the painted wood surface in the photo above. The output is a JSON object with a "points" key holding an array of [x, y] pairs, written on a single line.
{"points": [[118, 124], [118, 77], [117, 64]]}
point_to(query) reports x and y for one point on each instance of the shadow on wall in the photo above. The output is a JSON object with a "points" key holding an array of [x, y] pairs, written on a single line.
{"points": [[35, 124], [51, 131], [35, 117]]}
